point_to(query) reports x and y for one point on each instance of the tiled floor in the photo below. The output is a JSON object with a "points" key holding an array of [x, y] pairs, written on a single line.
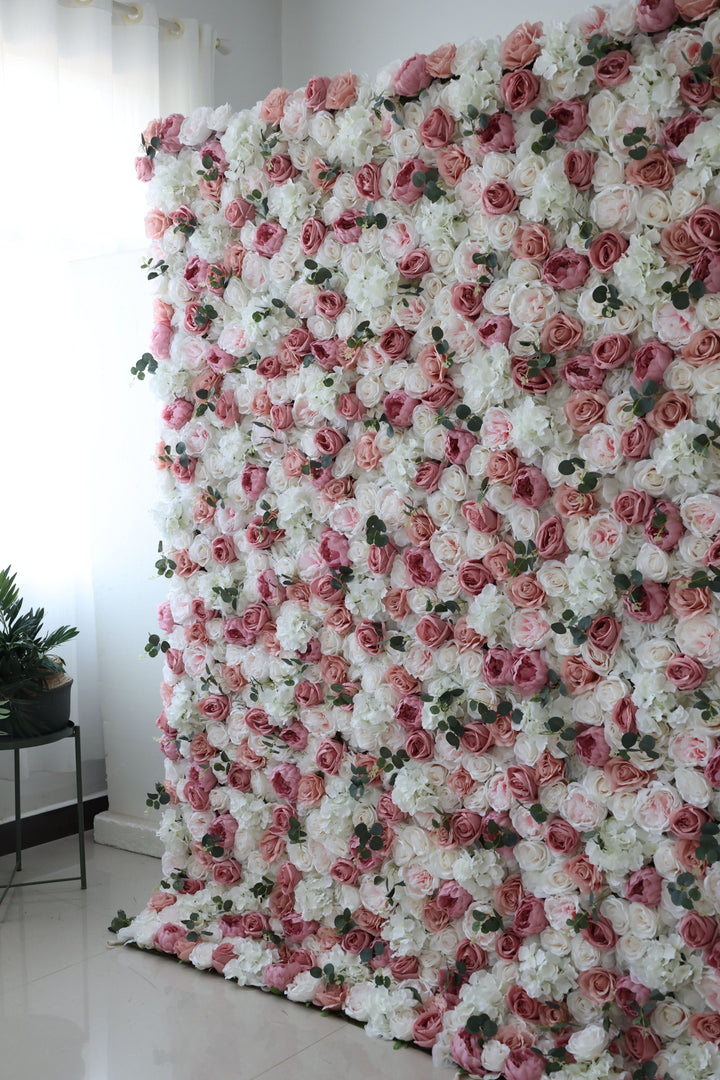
{"points": [[74, 1008]]}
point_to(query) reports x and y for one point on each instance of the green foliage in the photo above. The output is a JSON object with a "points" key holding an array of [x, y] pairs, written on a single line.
{"points": [[702, 444], [120, 921], [683, 291], [608, 296], [376, 531], [577, 628], [640, 142], [165, 566], [481, 1024], [548, 127], [155, 645], [26, 662], [684, 891], [428, 181], [147, 362], [157, 798], [526, 557]]}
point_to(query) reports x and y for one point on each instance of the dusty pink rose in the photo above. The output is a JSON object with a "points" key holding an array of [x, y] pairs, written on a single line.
{"points": [[570, 117], [605, 250], [521, 46], [437, 129], [579, 168], [520, 89], [453, 899], [412, 76], [613, 69], [399, 407], [566, 269], [654, 16], [644, 886], [341, 92], [498, 135]]}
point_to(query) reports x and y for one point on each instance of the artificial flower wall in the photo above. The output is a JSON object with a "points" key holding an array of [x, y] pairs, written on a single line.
{"points": [[440, 362]]}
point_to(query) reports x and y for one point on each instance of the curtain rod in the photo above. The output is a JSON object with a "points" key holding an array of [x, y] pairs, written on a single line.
{"points": [[133, 13]]}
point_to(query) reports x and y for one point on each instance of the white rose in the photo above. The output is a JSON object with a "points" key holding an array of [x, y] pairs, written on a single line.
{"points": [[669, 1019], [589, 1043]]}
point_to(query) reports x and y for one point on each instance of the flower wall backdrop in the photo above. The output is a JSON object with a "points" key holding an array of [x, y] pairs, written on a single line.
{"points": [[440, 363]]}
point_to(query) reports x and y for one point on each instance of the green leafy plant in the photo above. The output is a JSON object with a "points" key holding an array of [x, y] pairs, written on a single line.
{"points": [[27, 665]]}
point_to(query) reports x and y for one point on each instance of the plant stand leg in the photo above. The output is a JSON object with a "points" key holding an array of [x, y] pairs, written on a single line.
{"points": [[80, 808], [18, 813]]}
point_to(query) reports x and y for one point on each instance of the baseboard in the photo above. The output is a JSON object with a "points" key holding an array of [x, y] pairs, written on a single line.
{"points": [[132, 834], [50, 824]]}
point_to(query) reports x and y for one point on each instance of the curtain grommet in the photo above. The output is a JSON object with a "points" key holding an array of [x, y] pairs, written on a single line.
{"points": [[134, 16], [176, 28]]}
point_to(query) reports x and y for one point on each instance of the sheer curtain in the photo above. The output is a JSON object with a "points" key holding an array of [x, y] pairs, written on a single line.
{"points": [[79, 80]]}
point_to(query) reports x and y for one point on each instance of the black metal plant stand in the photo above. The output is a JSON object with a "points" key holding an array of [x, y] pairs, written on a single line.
{"points": [[70, 731]]}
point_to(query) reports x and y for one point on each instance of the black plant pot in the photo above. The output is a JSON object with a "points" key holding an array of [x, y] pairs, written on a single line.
{"points": [[41, 714]]}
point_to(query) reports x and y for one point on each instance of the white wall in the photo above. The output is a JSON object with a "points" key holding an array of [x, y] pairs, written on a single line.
{"points": [[325, 37]]}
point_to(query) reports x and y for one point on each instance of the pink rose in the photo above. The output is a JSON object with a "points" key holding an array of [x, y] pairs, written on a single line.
{"points": [[316, 92], [605, 250], [579, 168], [611, 351], [421, 567], [497, 328], [644, 886], [279, 169], [432, 631], [632, 507], [529, 486], [592, 748], [647, 602], [571, 119], [395, 342], [398, 408], [414, 264], [529, 672], [437, 129], [664, 527], [466, 1051], [271, 110], [654, 16], [269, 237], [473, 577], [582, 373], [521, 46], [561, 837], [694, 10], [497, 198], [566, 269], [453, 899], [520, 89], [531, 242], [698, 931], [524, 1064], [498, 135], [238, 211], [459, 445], [342, 91], [412, 76], [550, 539], [253, 481], [403, 189], [613, 69], [312, 235], [530, 917], [466, 297], [439, 62], [346, 228], [284, 780], [584, 409]]}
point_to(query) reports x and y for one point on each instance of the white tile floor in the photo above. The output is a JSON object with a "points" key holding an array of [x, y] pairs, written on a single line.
{"points": [[73, 1008]]}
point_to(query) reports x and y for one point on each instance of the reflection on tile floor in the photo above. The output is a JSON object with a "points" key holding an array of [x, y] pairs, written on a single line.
{"points": [[74, 1008]]}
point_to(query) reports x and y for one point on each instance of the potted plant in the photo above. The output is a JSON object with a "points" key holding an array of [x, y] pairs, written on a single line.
{"points": [[34, 688]]}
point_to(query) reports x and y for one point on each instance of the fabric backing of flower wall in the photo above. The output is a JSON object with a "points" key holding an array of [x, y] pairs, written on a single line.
{"points": [[440, 363]]}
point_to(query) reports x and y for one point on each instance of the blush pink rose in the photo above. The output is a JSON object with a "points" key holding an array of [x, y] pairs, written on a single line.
{"points": [[437, 129], [521, 46], [453, 899], [403, 189], [421, 567], [520, 89], [654, 16], [579, 168], [498, 135], [412, 76], [605, 250], [571, 119], [341, 92]]}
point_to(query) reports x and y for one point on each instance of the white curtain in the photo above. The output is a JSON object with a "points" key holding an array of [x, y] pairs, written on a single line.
{"points": [[79, 81]]}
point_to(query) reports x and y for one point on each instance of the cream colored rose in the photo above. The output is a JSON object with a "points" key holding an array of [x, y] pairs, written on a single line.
{"points": [[602, 110], [614, 207], [583, 954], [582, 1008], [501, 229], [588, 1043], [524, 175], [532, 304], [654, 209], [669, 1019], [708, 311]]}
